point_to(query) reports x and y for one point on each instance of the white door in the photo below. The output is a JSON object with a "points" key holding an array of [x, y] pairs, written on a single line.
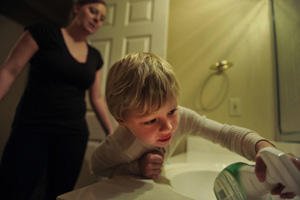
{"points": [[131, 26]]}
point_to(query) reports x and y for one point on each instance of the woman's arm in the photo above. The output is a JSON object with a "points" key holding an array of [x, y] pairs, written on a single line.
{"points": [[19, 55], [99, 104]]}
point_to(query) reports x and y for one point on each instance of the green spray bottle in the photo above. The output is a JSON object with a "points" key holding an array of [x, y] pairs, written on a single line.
{"points": [[238, 181]]}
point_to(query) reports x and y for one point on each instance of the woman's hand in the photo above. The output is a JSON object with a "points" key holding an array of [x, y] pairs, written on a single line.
{"points": [[260, 170], [150, 164], [296, 162]]}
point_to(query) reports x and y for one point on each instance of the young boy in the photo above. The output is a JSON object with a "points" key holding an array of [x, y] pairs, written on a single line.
{"points": [[142, 94]]}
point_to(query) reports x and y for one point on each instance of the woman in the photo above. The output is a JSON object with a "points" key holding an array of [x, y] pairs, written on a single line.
{"points": [[49, 132]]}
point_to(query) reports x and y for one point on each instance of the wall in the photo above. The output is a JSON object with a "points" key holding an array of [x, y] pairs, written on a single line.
{"points": [[9, 33], [287, 20], [201, 32]]}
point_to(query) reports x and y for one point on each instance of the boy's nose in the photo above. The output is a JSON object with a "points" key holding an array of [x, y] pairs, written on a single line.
{"points": [[166, 125]]}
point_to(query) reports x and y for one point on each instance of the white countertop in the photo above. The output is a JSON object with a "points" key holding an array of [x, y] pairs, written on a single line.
{"points": [[200, 155], [124, 188]]}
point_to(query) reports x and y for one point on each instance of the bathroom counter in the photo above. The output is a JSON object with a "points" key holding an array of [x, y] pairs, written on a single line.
{"points": [[125, 188], [191, 175]]}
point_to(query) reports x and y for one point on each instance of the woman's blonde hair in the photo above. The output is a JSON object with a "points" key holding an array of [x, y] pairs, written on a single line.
{"points": [[141, 82]]}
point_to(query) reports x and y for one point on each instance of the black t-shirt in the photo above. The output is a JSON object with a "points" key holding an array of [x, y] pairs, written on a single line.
{"points": [[57, 82]]}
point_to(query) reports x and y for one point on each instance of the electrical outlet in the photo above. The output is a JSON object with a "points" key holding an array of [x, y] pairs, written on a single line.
{"points": [[235, 109]]}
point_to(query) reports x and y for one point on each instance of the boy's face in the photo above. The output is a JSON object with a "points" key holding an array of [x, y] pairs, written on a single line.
{"points": [[155, 128]]}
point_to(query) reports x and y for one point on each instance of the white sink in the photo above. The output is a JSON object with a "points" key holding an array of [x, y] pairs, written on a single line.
{"points": [[197, 185]]}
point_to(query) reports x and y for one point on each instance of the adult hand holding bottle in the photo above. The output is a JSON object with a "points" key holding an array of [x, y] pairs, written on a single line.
{"points": [[261, 173]]}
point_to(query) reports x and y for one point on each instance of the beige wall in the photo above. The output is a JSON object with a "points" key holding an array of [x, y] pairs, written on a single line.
{"points": [[9, 32], [201, 32]]}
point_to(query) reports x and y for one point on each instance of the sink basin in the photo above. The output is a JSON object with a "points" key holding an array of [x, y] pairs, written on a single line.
{"points": [[195, 184]]}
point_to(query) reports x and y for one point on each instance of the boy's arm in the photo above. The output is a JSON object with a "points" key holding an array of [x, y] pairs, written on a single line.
{"points": [[119, 154], [240, 140], [108, 159]]}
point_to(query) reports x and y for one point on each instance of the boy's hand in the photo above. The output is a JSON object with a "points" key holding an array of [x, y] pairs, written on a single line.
{"points": [[150, 164]]}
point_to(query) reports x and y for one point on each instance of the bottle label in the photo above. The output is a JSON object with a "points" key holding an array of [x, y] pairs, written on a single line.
{"points": [[238, 181], [226, 187]]}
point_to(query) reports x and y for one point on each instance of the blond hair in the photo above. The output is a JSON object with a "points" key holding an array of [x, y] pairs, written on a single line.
{"points": [[141, 82]]}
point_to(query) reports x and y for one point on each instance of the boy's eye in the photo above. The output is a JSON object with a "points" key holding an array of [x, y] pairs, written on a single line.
{"points": [[172, 111], [150, 122]]}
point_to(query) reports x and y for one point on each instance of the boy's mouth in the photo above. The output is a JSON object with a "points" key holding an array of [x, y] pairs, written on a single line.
{"points": [[165, 139]]}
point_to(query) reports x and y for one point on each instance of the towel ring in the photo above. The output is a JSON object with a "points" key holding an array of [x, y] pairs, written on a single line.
{"points": [[221, 66]]}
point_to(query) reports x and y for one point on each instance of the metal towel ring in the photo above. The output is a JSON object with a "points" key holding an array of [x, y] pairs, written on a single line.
{"points": [[221, 66]]}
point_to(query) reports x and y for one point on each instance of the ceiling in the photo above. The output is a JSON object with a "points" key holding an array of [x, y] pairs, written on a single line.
{"points": [[26, 12]]}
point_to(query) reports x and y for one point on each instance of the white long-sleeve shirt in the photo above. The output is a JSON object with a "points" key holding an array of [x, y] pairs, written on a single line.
{"points": [[120, 152]]}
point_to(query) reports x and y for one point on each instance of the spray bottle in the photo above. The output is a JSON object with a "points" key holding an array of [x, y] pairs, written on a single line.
{"points": [[238, 181]]}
